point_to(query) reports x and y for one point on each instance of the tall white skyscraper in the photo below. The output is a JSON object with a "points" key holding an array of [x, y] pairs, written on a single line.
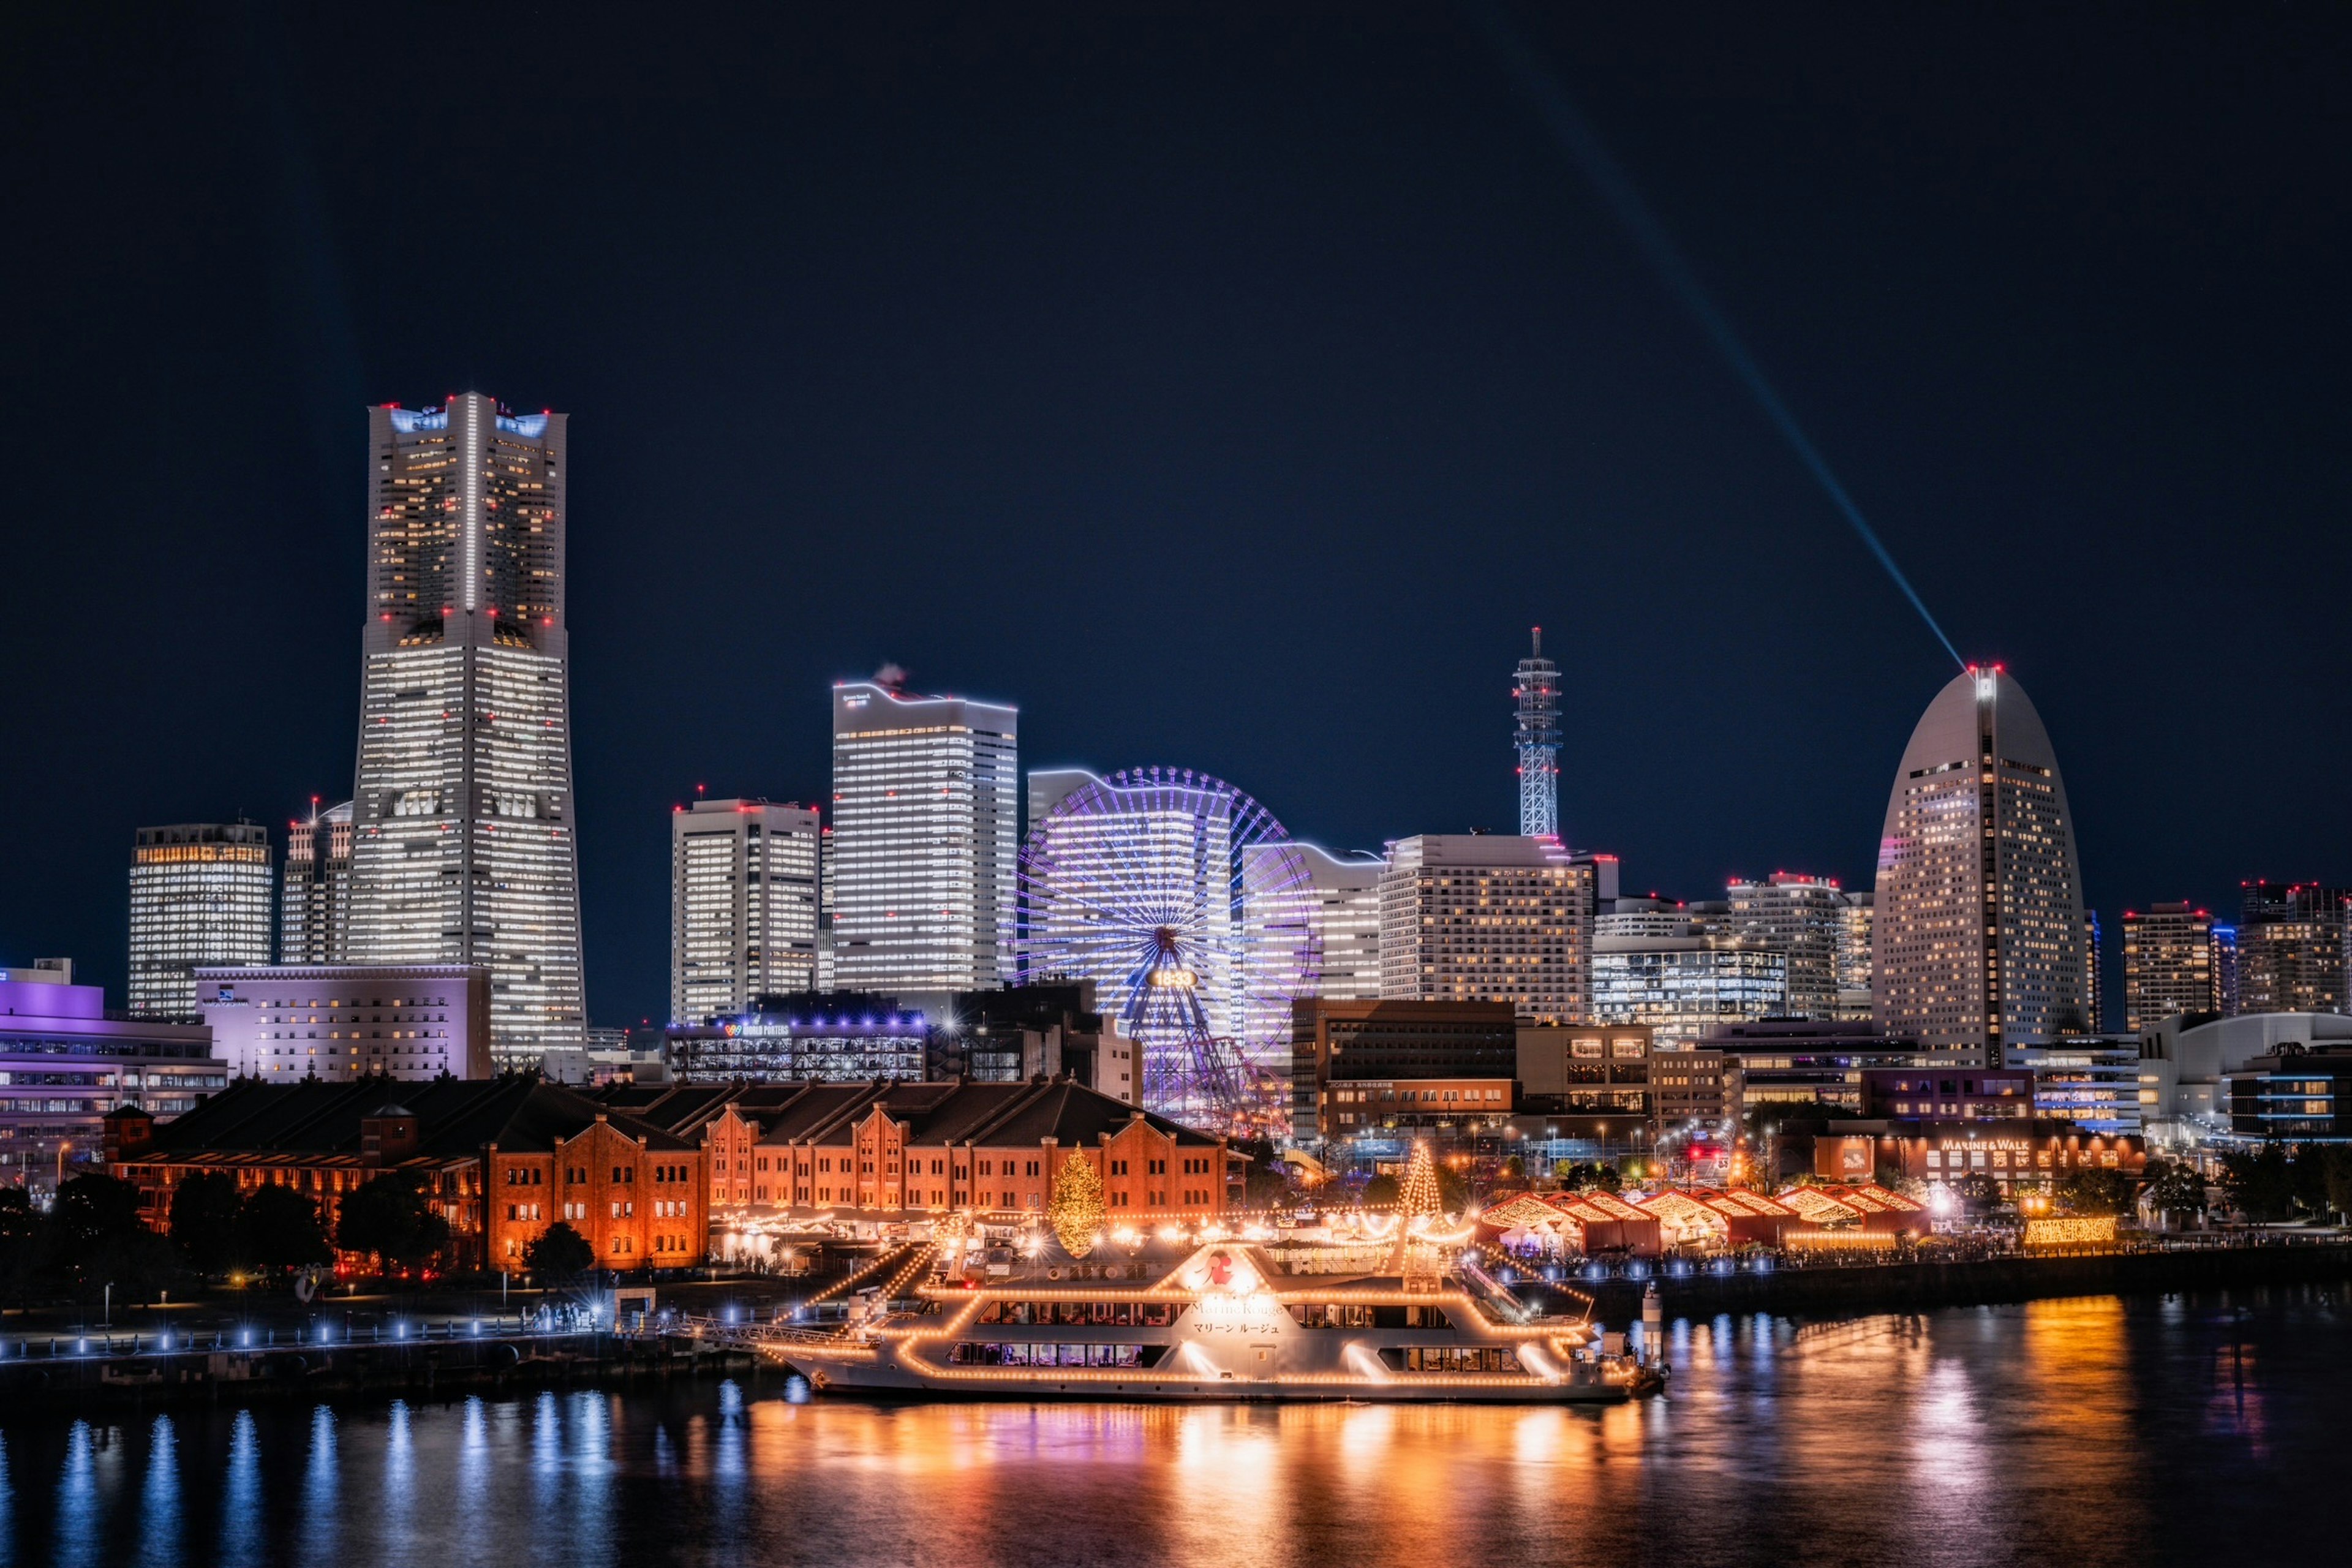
{"points": [[315, 906], [1978, 938], [1340, 901], [926, 826], [200, 894], [743, 905], [464, 843]]}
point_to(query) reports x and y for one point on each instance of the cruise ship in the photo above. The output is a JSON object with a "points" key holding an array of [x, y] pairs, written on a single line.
{"points": [[1276, 1319]]}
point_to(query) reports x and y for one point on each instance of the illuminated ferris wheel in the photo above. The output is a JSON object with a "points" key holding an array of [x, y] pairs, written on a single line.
{"points": [[1182, 899]]}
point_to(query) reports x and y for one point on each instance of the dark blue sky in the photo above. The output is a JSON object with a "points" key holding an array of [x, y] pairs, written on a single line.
{"points": [[1228, 391]]}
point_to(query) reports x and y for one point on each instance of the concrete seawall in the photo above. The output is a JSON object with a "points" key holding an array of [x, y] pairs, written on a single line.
{"points": [[1917, 1287]]}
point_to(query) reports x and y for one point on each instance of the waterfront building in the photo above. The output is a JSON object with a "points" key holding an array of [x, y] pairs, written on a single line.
{"points": [[916, 1150], [2295, 1095], [2168, 964], [65, 1066], [1802, 917], [1978, 937], [501, 1160], [1622, 1072], [926, 817], [1684, 987], [1535, 693], [1787, 1063], [314, 910], [2093, 1082], [1854, 970], [2185, 1059], [1345, 1056], [339, 1022], [200, 894], [1485, 917], [465, 847], [2016, 1156], [841, 1036], [1017, 1033], [2290, 948], [1948, 1093], [743, 905], [1339, 901]]}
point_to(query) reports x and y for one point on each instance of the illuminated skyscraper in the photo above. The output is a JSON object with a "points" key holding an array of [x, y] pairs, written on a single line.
{"points": [[1535, 688], [744, 906], [314, 920], [1803, 917], [200, 894], [1340, 901], [1485, 917], [2168, 964], [463, 845], [926, 828], [2291, 941], [1854, 958], [1980, 936]]}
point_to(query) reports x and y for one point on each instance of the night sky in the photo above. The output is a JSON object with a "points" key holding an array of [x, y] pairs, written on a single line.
{"points": [[1229, 391]]}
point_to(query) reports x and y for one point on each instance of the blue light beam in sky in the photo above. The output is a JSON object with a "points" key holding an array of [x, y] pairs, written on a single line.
{"points": [[1567, 123]]}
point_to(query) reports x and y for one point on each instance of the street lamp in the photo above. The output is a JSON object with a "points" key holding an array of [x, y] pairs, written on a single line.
{"points": [[61, 1165]]}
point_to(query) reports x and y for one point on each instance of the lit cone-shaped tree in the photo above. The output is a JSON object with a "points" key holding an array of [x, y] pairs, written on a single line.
{"points": [[1417, 1200], [1077, 1210]]}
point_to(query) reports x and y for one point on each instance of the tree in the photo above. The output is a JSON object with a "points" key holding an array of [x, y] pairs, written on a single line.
{"points": [[2096, 1192], [2339, 1180], [91, 1211], [1514, 1171], [24, 1242], [2175, 1188], [389, 1217], [559, 1253], [278, 1228], [1418, 1196], [2258, 1182], [1380, 1191], [1977, 1192], [2307, 1174], [204, 1220], [1075, 1209]]}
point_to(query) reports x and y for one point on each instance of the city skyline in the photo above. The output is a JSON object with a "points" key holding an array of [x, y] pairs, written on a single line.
{"points": [[1322, 354]]}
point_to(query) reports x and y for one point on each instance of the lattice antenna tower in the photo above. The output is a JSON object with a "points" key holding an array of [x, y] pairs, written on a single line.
{"points": [[1536, 688]]}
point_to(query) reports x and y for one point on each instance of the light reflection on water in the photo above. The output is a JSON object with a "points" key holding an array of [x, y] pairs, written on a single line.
{"points": [[2085, 1432]]}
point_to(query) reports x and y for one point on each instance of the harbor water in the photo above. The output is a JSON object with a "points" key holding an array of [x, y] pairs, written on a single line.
{"points": [[2099, 1430]]}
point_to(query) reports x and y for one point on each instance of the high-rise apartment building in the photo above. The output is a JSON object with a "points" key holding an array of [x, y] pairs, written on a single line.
{"points": [[743, 905], [2094, 978], [1487, 918], [200, 894], [1535, 690], [314, 910], [1978, 938], [2168, 964], [926, 833], [465, 847], [1854, 970], [1804, 917], [2225, 971], [2290, 938]]}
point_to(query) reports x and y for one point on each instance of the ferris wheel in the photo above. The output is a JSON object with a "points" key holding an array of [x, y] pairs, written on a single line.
{"points": [[1182, 899]]}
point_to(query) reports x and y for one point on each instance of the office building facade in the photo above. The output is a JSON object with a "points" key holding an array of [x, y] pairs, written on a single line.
{"points": [[314, 908], [1683, 988], [1339, 901], [282, 1023], [200, 894], [1351, 1062], [1487, 918], [2168, 964], [65, 1066], [743, 905], [925, 821], [1854, 970], [1979, 923], [465, 848]]}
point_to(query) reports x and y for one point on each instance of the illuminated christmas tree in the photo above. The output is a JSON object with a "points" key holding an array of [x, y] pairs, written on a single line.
{"points": [[1418, 1200], [1077, 1210]]}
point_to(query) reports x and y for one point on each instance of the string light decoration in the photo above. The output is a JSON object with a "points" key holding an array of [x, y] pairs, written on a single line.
{"points": [[1077, 1210], [1418, 1197]]}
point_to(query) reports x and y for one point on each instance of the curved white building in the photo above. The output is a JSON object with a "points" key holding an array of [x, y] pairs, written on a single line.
{"points": [[1978, 940]]}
